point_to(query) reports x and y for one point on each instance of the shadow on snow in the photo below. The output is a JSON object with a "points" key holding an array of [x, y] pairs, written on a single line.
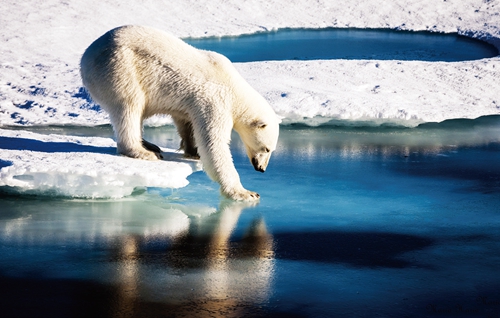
{"points": [[50, 146]]}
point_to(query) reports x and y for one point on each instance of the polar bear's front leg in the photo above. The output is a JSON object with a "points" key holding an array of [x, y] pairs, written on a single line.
{"points": [[215, 154], [218, 164]]}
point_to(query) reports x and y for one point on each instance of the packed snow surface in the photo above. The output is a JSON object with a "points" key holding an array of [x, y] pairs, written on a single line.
{"points": [[42, 42]]}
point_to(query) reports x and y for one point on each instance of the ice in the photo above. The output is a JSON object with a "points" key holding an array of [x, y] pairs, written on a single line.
{"points": [[40, 83], [399, 92], [82, 167]]}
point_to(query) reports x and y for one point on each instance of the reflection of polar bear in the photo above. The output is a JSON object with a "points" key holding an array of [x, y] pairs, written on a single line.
{"points": [[136, 72]]}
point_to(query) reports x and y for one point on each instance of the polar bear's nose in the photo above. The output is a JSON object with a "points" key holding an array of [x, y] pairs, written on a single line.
{"points": [[257, 166]]}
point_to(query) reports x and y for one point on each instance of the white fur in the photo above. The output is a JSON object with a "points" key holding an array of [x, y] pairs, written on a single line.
{"points": [[135, 72]]}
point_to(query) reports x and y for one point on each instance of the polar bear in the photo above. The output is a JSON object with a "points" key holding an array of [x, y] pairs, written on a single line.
{"points": [[135, 72]]}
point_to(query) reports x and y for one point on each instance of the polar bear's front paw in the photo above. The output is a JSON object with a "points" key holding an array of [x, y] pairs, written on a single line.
{"points": [[243, 195]]}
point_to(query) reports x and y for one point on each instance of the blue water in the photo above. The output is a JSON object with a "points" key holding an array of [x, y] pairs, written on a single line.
{"points": [[353, 222], [330, 43]]}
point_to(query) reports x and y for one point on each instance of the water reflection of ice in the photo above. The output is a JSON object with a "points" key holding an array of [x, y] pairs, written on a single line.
{"points": [[88, 221], [353, 142]]}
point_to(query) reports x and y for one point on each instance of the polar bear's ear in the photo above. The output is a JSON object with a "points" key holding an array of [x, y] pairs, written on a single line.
{"points": [[259, 124]]}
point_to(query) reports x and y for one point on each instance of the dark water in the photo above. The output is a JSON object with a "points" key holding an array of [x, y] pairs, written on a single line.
{"points": [[353, 222], [330, 43]]}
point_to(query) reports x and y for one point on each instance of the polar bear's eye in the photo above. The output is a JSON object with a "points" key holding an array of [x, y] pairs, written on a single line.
{"points": [[267, 150], [259, 124]]}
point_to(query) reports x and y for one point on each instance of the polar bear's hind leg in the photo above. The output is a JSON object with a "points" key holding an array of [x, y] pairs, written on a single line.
{"points": [[188, 143]]}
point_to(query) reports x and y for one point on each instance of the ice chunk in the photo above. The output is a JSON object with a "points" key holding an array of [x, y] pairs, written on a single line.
{"points": [[82, 167]]}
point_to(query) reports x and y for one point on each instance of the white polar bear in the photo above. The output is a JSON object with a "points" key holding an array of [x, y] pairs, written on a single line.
{"points": [[135, 72]]}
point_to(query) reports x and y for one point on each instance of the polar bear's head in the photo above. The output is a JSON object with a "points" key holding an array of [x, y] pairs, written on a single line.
{"points": [[260, 138]]}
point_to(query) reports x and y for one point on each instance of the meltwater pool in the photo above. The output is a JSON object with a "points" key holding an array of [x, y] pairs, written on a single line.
{"points": [[333, 43]]}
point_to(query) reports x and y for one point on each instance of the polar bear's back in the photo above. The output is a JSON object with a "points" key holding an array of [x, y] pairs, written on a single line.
{"points": [[143, 41], [131, 64]]}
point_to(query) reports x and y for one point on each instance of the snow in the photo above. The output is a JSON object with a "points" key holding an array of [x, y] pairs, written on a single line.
{"points": [[401, 92], [41, 44]]}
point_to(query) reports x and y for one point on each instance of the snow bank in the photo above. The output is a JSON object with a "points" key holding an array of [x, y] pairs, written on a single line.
{"points": [[86, 167], [400, 92]]}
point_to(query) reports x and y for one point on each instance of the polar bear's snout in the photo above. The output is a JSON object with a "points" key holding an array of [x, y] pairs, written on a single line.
{"points": [[256, 165], [260, 161]]}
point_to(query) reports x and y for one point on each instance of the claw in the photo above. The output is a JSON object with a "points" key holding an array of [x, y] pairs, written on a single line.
{"points": [[152, 147]]}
